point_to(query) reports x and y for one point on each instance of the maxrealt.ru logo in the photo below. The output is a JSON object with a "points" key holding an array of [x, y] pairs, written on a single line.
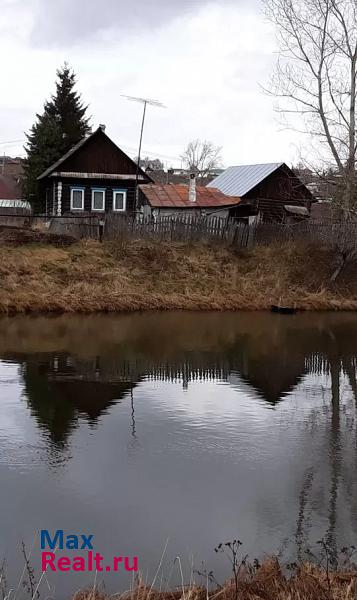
{"points": [[89, 560]]}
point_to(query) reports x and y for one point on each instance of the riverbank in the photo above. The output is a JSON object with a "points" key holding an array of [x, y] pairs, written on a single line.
{"points": [[268, 582], [88, 277]]}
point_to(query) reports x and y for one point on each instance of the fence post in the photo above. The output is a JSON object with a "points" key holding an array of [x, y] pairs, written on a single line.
{"points": [[101, 230]]}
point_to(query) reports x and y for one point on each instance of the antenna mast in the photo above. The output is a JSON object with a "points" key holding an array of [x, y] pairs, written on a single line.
{"points": [[145, 102]]}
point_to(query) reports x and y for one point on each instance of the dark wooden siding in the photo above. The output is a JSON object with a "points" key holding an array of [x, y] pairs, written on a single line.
{"points": [[109, 186], [99, 155], [281, 187]]}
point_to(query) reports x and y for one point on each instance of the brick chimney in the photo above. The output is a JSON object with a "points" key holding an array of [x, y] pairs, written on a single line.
{"points": [[192, 195]]}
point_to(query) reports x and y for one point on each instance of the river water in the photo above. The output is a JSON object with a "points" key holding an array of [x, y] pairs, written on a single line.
{"points": [[163, 435]]}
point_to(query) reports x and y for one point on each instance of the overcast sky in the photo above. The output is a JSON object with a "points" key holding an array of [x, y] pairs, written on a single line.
{"points": [[204, 60]]}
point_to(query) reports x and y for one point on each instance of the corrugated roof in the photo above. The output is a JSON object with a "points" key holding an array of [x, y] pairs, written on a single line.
{"points": [[177, 196], [15, 204], [238, 181]]}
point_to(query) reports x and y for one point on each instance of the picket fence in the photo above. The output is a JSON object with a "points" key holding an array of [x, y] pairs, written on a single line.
{"points": [[210, 230], [121, 228]]}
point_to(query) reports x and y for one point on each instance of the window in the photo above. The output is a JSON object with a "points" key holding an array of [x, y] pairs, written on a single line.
{"points": [[98, 199], [119, 200], [77, 199]]}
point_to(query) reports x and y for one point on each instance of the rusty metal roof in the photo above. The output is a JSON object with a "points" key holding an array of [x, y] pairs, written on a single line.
{"points": [[177, 196], [9, 189]]}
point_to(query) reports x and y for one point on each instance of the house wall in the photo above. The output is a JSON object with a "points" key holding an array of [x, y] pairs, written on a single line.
{"points": [[179, 212], [97, 155], [88, 186]]}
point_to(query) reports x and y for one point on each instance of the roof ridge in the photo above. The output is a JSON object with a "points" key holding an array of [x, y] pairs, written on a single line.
{"points": [[79, 145], [254, 165]]}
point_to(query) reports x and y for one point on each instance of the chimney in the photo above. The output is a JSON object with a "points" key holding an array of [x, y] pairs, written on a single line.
{"points": [[192, 196], [102, 127]]}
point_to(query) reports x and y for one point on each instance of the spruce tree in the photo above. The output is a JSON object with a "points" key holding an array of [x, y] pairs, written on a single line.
{"points": [[62, 124]]}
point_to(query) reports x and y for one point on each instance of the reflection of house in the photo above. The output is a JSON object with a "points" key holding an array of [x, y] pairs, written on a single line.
{"points": [[59, 390], [261, 374], [264, 190], [264, 356]]}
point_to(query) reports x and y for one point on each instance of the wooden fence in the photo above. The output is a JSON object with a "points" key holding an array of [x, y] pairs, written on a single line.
{"points": [[80, 227], [116, 227], [176, 229]]}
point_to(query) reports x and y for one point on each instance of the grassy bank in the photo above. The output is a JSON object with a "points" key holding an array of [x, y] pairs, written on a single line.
{"points": [[41, 274], [268, 582]]}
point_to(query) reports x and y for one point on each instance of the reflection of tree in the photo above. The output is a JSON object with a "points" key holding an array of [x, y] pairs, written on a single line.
{"points": [[335, 451], [75, 367], [59, 390], [337, 360], [302, 523]]}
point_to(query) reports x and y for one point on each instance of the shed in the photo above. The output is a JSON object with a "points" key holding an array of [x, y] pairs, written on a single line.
{"points": [[13, 210], [95, 176], [264, 189], [175, 199]]}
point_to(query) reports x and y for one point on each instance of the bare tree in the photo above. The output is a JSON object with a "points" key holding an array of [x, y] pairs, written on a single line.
{"points": [[154, 164], [316, 78], [202, 157]]}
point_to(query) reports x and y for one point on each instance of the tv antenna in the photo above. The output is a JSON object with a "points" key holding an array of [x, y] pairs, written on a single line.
{"points": [[145, 102]]}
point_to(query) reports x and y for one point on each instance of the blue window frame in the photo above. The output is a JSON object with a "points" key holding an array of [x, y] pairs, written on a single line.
{"points": [[98, 199], [119, 200], [77, 198]]}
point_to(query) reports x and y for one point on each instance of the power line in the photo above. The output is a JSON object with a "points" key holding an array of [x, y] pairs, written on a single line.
{"points": [[149, 153], [12, 142]]}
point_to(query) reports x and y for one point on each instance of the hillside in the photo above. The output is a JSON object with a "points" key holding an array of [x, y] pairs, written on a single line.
{"points": [[42, 273]]}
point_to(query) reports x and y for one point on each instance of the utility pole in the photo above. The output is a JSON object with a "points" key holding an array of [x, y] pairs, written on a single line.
{"points": [[145, 102]]}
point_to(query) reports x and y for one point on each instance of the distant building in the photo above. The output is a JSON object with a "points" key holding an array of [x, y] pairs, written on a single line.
{"points": [[95, 176], [12, 167], [265, 190], [11, 204]]}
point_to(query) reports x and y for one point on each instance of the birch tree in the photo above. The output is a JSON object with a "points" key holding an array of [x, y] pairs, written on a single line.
{"points": [[316, 79]]}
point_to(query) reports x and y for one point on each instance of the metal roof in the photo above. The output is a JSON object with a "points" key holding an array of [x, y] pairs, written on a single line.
{"points": [[177, 196], [238, 181], [9, 188], [14, 204]]}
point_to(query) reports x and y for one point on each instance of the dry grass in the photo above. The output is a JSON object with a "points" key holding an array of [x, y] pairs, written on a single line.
{"points": [[266, 583], [140, 275]]}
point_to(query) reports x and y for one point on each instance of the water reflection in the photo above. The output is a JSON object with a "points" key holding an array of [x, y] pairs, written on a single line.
{"points": [[180, 407], [75, 367]]}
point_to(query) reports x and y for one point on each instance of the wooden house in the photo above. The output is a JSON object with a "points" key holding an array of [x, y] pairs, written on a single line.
{"points": [[95, 176], [265, 191]]}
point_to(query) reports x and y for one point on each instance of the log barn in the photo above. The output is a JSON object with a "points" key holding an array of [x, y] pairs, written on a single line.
{"points": [[265, 190], [95, 176]]}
